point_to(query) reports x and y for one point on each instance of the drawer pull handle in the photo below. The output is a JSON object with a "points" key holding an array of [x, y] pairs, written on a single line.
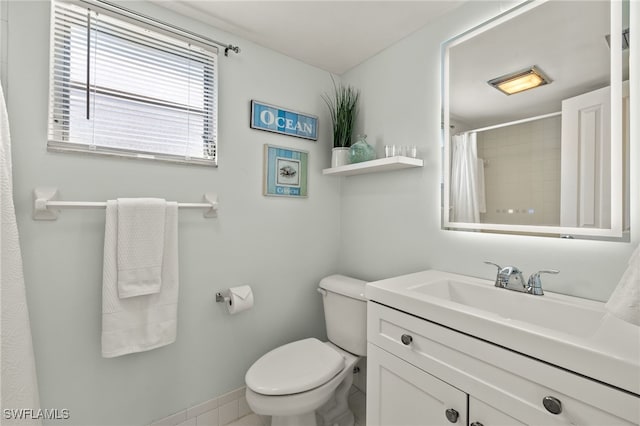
{"points": [[476, 424], [452, 415], [406, 339], [553, 405]]}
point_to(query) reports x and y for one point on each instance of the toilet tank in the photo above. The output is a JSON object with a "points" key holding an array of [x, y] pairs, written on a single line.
{"points": [[345, 312]]}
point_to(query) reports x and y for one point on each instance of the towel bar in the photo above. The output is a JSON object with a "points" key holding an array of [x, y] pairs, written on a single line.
{"points": [[45, 205]]}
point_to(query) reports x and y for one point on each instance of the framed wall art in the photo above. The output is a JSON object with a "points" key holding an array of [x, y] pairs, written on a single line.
{"points": [[285, 172]]}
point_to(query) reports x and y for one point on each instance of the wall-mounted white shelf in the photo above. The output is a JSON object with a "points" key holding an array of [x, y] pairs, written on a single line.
{"points": [[374, 166]]}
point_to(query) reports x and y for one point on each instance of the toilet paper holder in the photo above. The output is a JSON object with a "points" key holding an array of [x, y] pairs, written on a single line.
{"points": [[223, 296], [236, 299]]}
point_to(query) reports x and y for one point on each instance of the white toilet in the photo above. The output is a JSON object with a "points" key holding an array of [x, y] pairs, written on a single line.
{"points": [[307, 382]]}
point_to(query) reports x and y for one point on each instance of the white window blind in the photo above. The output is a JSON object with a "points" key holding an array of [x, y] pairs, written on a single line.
{"points": [[120, 87]]}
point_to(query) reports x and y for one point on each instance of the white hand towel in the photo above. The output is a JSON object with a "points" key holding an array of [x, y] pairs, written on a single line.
{"points": [[624, 302], [140, 245], [140, 323]]}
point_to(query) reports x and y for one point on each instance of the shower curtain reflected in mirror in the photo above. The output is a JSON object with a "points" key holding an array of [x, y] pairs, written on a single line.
{"points": [[467, 179], [19, 389]]}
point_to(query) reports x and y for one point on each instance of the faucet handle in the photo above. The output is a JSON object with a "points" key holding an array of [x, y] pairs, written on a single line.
{"points": [[534, 285], [497, 283], [494, 264], [504, 274], [548, 271]]}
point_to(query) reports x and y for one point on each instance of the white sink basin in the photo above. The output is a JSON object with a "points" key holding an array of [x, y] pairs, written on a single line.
{"points": [[548, 312], [572, 333]]}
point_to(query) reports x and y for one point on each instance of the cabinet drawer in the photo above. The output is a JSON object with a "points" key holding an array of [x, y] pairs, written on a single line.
{"points": [[497, 376]]}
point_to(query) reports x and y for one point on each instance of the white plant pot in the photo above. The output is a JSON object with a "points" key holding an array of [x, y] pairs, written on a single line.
{"points": [[339, 157]]}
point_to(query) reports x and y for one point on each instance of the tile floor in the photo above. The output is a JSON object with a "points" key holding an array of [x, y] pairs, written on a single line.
{"points": [[357, 402], [249, 420]]}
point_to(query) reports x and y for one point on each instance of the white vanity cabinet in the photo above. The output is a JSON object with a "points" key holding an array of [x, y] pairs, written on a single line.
{"points": [[417, 370]]}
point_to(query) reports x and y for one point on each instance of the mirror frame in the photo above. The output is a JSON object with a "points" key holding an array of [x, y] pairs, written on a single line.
{"points": [[614, 233]]}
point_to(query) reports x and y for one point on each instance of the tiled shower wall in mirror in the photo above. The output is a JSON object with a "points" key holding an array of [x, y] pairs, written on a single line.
{"points": [[522, 173]]}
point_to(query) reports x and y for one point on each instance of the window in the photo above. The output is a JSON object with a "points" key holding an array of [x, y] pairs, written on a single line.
{"points": [[121, 86]]}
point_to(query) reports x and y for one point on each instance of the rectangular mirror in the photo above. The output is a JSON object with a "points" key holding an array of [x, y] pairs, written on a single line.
{"points": [[535, 106]]}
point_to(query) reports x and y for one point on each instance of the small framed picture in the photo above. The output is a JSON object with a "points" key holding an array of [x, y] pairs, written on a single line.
{"points": [[285, 172]]}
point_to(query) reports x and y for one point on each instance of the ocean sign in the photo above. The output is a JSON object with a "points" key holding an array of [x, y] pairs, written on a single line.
{"points": [[279, 120]]}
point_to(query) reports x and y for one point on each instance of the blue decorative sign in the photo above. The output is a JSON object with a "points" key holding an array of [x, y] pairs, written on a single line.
{"points": [[278, 120]]}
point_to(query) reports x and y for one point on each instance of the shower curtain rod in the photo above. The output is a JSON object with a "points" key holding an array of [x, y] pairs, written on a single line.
{"points": [[45, 205], [512, 123]]}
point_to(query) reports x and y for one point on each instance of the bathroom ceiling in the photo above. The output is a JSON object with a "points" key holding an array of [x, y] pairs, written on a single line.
{"points": [[331, 35]]}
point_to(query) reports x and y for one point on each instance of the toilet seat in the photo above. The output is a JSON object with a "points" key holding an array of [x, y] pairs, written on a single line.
{"points": [[303, 403], [293, 368]]}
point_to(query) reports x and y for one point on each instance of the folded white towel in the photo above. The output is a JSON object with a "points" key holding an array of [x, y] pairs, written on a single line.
{"points": [[140, 245], [140, 323], [624, 302]]}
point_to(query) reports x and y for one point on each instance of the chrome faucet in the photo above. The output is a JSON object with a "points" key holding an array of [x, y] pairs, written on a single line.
{"points": [[534, 285], [511, 278]]}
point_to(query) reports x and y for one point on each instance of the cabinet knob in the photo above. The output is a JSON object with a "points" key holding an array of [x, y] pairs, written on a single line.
{"points": [[452, 415], [476, 424], [406, 339], [553, 405]]}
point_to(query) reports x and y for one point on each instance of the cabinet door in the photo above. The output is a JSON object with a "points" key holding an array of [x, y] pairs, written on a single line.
{"points": [[481, 414], [399, 394]]}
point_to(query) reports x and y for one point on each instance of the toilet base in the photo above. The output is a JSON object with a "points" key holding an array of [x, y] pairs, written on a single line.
{"points": [[346, 419], [336, 411], [313, 419], [308, 419]]}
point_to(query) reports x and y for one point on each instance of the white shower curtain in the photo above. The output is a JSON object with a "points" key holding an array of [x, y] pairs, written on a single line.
{"points": [[464, 179], [18, 381]]}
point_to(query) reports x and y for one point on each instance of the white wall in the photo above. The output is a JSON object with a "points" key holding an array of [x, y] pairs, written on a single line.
{"points": [[3, 41], [391, 221], [282, 247]]}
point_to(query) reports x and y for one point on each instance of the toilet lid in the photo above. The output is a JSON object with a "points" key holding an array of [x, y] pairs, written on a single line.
{"points": [[293, 368]]}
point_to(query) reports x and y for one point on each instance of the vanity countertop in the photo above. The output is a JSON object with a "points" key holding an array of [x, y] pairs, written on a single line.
{"points": [[569, 332]]}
